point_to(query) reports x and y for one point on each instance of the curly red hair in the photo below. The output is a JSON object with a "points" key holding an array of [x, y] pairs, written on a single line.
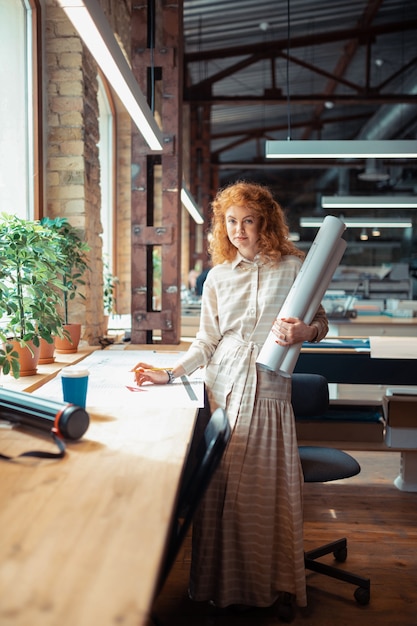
{"points": [[274, 235]]}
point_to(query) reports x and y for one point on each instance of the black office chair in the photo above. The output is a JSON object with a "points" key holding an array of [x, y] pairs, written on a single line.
{"points": [[310, 397], [201, 464]]}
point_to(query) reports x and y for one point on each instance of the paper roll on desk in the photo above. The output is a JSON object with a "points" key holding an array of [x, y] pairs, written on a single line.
{"points": [[306, 292]]}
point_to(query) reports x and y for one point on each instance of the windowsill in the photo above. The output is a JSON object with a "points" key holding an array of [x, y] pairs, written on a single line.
{"points": [[45, 372]]}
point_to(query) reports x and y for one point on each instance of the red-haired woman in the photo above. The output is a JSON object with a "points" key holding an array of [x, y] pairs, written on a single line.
{"points": [[247, 537]]}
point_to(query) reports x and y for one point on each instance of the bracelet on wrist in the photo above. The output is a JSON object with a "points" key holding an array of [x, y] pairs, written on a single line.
{"points": [[171, 377]]}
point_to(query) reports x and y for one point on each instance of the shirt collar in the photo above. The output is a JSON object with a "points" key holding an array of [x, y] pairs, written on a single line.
{"points": [[239, 259]]}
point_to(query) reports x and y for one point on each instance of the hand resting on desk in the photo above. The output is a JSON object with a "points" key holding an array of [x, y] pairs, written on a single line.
{"points": [[147, 373]]}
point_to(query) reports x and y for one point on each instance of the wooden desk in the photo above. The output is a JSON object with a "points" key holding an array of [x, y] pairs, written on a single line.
{"points": [[82, 538]]}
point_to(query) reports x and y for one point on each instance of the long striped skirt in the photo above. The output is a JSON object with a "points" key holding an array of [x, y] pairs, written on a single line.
{"points": [[247, 543]]}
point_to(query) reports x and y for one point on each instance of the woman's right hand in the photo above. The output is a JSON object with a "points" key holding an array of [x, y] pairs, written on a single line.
{"points": [[146, 373]]}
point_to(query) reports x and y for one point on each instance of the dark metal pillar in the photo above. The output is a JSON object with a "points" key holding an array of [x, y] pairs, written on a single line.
{"points": [[200, 174], [157, 62]]}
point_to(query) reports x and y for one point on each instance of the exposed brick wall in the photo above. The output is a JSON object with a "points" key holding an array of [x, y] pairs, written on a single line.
{"points": [[72, 165]]}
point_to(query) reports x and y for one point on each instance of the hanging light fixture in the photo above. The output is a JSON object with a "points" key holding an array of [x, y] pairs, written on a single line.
{"points": [[91, 24], [342, 149], [191, 205], [369, 202], [360, 222]]}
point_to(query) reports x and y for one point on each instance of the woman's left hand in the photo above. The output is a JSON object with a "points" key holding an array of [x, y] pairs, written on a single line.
{"points": [[290, 330]]}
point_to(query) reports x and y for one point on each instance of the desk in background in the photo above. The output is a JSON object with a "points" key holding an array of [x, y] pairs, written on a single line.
{"points": [[370, 325], [356, 381], [361, 326], [82, 538], [348, 360]]}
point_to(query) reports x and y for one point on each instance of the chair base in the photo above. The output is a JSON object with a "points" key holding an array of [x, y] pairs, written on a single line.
{"points": [[339, 549]]}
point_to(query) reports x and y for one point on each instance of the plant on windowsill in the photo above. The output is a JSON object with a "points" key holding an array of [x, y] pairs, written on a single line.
{"points": [[71, 269], [29, 292]]}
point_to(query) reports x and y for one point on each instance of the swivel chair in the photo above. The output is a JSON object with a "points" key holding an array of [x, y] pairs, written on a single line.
{"points": [[310, 397]]}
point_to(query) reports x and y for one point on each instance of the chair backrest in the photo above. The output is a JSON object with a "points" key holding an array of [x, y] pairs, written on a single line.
{"points": [[309, 395], [208, 456], [310, 398]]}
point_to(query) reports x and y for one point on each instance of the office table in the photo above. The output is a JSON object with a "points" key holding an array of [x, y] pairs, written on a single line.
{"points": [[82, 538], [349, 361], [369, 325]]}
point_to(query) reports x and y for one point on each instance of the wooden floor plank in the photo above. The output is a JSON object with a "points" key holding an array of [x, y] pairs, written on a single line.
{"points": [[380, 524]]}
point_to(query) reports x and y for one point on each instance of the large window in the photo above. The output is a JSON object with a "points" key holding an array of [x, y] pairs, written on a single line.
{"points": [[16, 109], [107, 167]]}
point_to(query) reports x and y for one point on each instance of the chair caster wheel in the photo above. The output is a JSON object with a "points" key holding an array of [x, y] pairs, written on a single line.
{"points": [[362, 596], [284, 608]]}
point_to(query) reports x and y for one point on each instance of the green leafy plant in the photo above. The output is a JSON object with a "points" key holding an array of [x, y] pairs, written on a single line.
{"points": [[72, 263], [30, 289], [109, 288], [157, 274]]}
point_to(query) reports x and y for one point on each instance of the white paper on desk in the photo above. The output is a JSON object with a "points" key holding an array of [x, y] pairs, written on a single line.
{"points": [[306, 292], [111, 383], [393, 347]]}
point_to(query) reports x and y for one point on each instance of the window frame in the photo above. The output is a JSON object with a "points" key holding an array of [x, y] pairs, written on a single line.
{"points": [[111, 221], [29, 144], [37, 110]]}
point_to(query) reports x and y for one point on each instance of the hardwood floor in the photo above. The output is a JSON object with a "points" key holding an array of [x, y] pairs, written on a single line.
{"points": [[380, 523]]}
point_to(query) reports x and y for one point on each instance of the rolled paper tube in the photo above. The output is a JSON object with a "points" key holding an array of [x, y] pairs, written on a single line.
{"points": [[293, 351], [27, 409], [312, 281]]}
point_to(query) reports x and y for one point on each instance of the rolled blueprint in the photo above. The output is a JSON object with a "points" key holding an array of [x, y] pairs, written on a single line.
{"points": [[306, 292], [293, 351]]}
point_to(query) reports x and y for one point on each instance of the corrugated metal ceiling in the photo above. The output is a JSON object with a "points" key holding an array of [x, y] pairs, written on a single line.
{"points": [[317, 40], [304, 69]]}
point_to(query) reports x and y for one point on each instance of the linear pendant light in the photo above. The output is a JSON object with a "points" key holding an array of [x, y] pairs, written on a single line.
{"points": [[369, 202], [191, 205], [360, 222], [94, 29], [306, 149]]}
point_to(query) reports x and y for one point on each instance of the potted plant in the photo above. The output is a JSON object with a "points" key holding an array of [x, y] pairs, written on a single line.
{"points": [[29, 292], [71, 268]]}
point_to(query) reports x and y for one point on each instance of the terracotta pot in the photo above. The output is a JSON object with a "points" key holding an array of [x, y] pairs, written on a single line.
{"points": [[46, 352], [65, 346], [28, 362]]}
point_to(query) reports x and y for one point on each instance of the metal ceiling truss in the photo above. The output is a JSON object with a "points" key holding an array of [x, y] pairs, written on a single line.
{"points": [[201, 93]]}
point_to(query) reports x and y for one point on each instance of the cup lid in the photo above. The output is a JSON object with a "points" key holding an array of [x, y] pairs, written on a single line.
{"points": [[73, 371]]}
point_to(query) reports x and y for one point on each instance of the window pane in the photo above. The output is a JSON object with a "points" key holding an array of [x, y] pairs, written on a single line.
{"points": [[105, 147], [16, 196]]}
